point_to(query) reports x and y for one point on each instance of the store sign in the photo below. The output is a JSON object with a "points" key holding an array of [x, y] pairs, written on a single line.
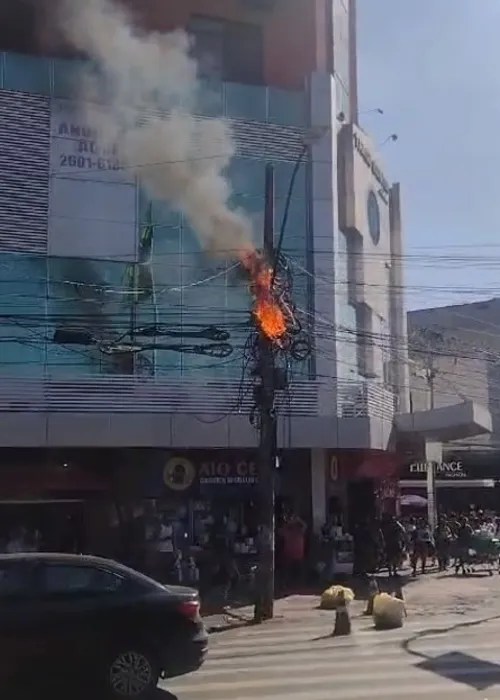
{"points": [[77, 148], [450, 470], [92, 197], [373, 167], [222, 473]]}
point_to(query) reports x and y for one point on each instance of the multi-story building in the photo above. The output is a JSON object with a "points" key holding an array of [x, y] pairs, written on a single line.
{"points": [[73, 230], [454, 354]]}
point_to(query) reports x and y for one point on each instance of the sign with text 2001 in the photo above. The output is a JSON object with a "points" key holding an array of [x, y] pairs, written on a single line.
{"points": [[79, 149]]}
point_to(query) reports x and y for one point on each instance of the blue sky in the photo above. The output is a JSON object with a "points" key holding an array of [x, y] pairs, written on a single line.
{"points": [[433, 66]]}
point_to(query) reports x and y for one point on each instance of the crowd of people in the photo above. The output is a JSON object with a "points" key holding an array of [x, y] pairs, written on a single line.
{"points": [[390, 541]]}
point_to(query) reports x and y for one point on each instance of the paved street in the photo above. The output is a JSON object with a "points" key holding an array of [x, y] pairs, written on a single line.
{"points": [[299, 660]]}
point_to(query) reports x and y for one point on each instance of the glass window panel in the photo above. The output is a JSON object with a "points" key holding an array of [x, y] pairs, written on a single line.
{"points": [[283, 179], [169, 317], [247, 176], [210, 313], [191, 243], [244, 53], [253, 208], [23, 315], [296, 222], [246, 102], [2, 70], [210, 102], [67, 77], [27, 73], [286, 107], [90, 307], [157, 211], [160, 306], [208, 46]]}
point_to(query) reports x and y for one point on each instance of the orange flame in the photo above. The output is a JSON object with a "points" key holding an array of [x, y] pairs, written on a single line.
{"points": [[266, 309]]}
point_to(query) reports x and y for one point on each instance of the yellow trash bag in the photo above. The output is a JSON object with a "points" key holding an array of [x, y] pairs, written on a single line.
{"points": [[330, 597], [388, 611]]}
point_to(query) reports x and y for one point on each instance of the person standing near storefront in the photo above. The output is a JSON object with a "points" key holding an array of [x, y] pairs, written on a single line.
{"points": [[394, 536], [423, 545], [443, 537], [294, 536]]}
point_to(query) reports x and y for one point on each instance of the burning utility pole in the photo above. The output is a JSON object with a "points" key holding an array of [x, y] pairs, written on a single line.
{"points": [[267, 451]]}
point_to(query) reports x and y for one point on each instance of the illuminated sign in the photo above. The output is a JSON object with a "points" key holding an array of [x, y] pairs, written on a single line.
{"points": [[453, 470]]}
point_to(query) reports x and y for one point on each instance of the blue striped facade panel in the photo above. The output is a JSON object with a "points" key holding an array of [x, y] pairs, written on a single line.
{"points": [[24, 171]]}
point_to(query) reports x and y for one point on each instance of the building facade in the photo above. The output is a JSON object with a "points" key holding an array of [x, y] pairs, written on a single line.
{"points": [[453, 353], [111, 308], [71, 232]]}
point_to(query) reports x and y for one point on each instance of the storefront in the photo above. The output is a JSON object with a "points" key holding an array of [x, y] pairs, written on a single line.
{"points": [[462, 480], [135, 503], [55, 500], [202, 505], [360, 485]]}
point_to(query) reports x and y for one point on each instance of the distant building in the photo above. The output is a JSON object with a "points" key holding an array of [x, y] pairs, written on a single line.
{"points": [[455, 355]]}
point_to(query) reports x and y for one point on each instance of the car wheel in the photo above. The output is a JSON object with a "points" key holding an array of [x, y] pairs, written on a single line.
{"points": [[132, 673]]}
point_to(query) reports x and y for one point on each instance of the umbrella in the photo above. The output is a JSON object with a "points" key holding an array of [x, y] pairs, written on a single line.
{"points": [[414, 500]]}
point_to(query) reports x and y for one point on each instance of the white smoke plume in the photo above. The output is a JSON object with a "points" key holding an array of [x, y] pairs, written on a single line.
{"points": [[149, 85]]}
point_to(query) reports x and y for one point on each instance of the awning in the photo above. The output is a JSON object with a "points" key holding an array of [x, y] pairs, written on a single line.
{"points": [[447, 423], [449, 484]]}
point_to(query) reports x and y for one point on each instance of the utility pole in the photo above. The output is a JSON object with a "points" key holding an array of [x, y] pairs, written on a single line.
{"points": [[430, 376], [264, 601]]}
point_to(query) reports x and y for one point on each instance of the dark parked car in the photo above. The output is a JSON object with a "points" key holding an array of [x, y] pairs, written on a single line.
{"points": [[70, 616]]}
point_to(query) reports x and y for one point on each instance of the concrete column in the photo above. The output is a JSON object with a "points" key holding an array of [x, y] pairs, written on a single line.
{"points": [[324, 218], [318, 488], [397, 315], [433, 456]]}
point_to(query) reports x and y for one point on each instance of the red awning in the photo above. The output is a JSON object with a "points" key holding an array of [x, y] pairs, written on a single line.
{"points": [[40, 479], [367, 464]]}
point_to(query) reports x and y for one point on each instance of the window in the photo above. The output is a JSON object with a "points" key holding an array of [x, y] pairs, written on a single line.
{"points": [[208, 49], [15, 580], [231, 51], [64, 578]]}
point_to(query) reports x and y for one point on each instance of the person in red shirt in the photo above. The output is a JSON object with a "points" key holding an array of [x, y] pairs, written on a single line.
{"points": [[294, 535]]}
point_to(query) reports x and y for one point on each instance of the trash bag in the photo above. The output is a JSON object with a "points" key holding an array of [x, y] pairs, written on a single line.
{"points": [[331, 596], [388, 611]]}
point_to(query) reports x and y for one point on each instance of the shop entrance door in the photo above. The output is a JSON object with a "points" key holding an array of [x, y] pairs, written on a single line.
{"points": [[47, 525], [360, 502]]}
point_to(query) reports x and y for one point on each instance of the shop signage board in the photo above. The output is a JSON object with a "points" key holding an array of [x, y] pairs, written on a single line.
{"points": [[184, 473], [443, 470], [372, 165], [93, 196], [242, 472]]}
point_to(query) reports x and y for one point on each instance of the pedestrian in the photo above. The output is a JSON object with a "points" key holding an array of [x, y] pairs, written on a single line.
{"points": [[443, 538], [394, 537], [294, 532], [465, 530], [423, 544]]}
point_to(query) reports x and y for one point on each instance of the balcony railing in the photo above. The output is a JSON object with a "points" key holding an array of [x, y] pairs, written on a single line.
{"points": [[365, 399]]}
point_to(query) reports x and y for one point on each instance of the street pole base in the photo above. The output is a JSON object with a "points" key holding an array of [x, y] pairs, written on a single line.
{"points": [[263, 610]]}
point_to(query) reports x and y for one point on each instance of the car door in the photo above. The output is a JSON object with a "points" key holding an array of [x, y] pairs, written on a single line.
{"points": [[77, 599], [22, 624]]}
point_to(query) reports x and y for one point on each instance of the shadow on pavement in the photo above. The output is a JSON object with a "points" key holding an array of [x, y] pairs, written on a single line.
{"points": [[53, 692], [463, 668], [456, 665]]}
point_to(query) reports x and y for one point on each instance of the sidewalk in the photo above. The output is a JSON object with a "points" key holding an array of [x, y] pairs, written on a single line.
{"points": [[428, 595]]}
